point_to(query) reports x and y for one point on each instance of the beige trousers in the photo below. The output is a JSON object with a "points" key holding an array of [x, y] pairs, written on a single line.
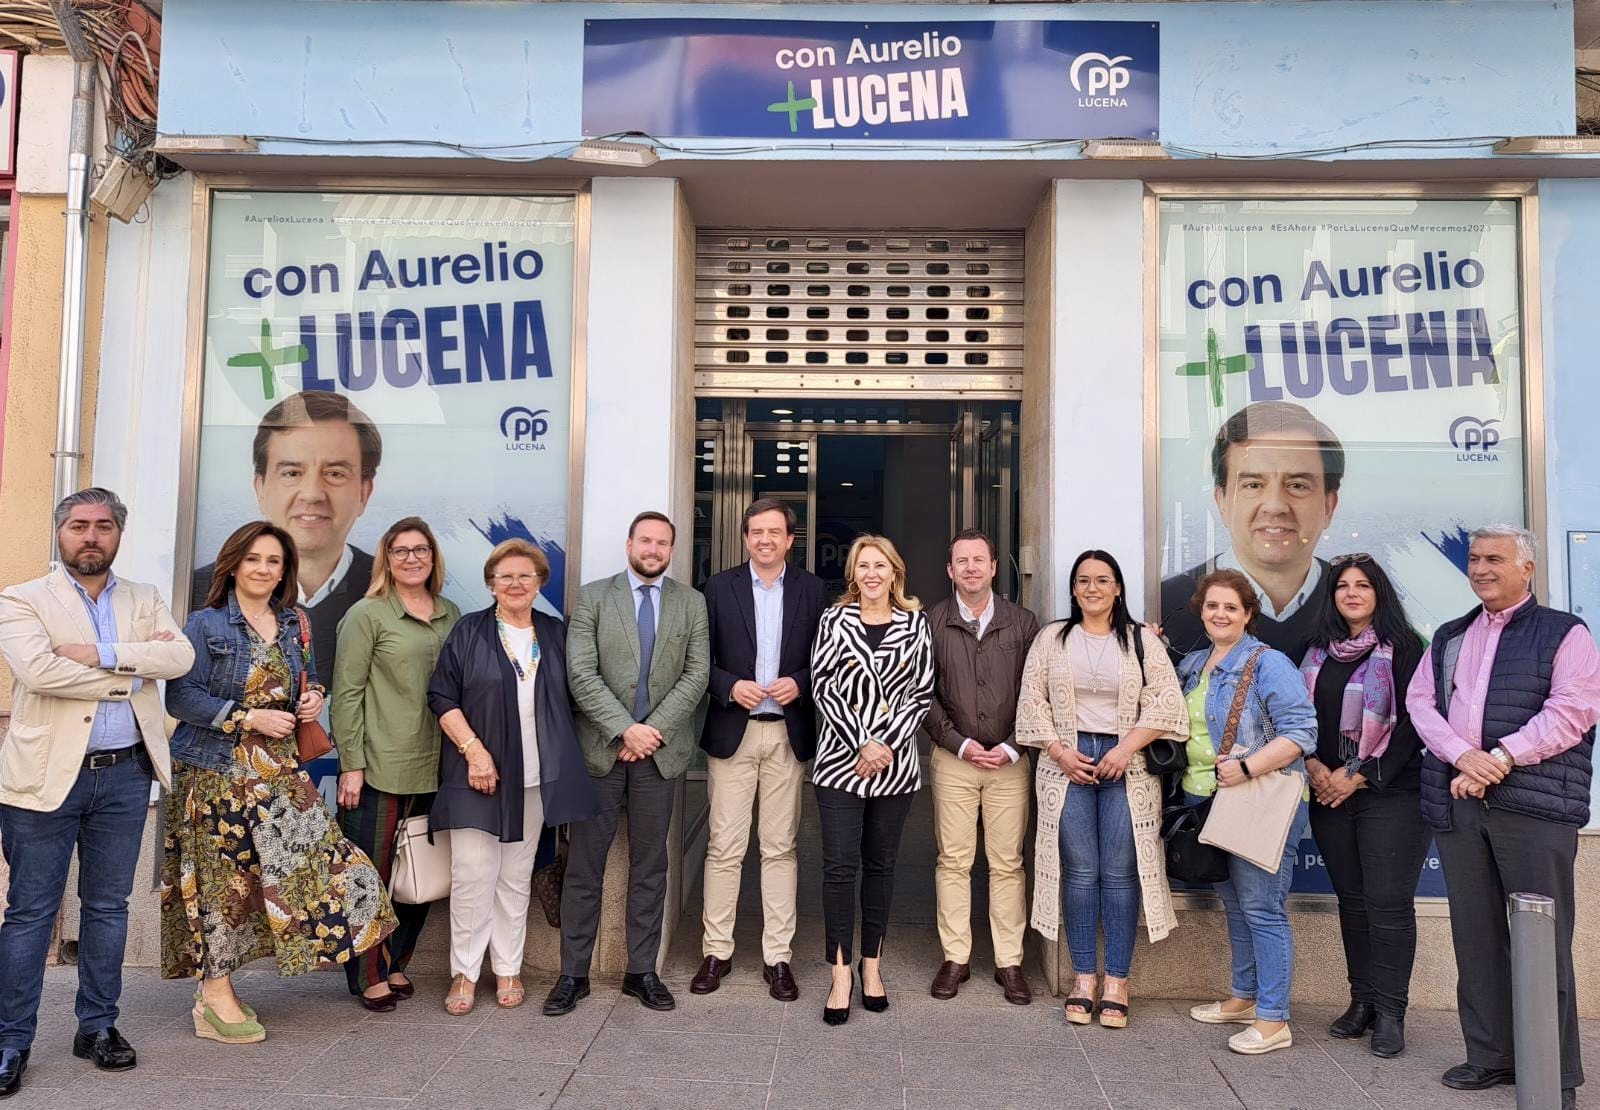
{"points": [[765, 769], [490, 887], [960, 792]]}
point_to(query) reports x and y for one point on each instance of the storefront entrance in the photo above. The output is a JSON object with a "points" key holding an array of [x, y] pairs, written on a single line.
{"points": [[915, 471]]}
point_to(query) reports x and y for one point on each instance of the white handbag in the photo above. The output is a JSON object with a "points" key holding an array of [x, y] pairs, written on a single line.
{"points": [[421, 870]]}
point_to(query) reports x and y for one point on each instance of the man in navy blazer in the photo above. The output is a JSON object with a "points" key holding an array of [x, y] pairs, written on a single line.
{"points": [[760, 731]]}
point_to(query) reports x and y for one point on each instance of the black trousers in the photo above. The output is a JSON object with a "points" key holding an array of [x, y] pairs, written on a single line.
{"points": [[1374, 845], [860, 836], [648, 798], [1489, 854]]}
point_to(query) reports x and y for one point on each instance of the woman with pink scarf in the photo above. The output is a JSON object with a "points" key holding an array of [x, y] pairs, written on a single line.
{"points": [[1365, 782]]}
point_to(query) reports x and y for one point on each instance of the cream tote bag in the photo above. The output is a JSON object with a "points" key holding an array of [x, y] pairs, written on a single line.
{"points": [[421, 871]]}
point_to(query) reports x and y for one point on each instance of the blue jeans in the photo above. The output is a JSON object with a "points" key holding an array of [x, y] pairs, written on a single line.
{"points": [[103, 817], [1258, 927], [1100, 868]]}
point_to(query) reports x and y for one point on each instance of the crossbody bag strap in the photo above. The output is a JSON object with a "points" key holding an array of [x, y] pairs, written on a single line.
{"points": [[1240, 693]]}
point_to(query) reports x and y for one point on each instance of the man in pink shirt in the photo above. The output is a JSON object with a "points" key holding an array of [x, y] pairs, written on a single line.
{"points": [[1506, 701]]}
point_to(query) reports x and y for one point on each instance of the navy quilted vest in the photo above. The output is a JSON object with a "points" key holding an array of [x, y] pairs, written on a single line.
{"points": [[1556, 789]]}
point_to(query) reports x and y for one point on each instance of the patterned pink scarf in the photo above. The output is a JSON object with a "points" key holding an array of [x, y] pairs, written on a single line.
{"points": [[1367, 713]]}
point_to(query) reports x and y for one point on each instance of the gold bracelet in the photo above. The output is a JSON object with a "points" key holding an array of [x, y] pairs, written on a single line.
{"points": [[462, 748]]}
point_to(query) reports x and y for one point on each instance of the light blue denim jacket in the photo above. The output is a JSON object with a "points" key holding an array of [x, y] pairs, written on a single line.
{"points": [[1278, 692], [202, 699]]}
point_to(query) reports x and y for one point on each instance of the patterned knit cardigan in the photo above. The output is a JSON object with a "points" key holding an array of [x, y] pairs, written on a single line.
{"points": [[1046, 711]]}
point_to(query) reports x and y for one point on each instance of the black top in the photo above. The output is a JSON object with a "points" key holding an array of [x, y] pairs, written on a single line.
{"points": [[1400, 765], [874, 634]]}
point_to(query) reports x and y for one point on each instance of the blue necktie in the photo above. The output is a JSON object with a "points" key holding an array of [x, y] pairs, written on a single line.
{"points": [[647, 645]]}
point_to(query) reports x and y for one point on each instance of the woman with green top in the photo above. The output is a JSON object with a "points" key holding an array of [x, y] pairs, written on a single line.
{"points": [[1276, 729], [388, 739]]}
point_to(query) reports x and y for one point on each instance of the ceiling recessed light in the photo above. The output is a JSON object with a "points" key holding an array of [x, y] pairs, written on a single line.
{"points": [[783, 412], [758, 475], [846, 485]]}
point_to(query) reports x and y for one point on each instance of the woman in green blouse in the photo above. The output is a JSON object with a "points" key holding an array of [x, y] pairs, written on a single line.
{"points": [[387, 739]]}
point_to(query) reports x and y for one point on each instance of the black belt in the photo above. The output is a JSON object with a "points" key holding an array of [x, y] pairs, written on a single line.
{"points": [[99, 761], [766, 718]]}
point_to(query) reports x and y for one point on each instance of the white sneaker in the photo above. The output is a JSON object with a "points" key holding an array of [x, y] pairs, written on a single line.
{"points": [[1252, 1043], [1212, 1014]]}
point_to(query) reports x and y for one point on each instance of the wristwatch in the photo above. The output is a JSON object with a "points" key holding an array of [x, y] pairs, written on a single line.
{"points": [[1503, 756]]}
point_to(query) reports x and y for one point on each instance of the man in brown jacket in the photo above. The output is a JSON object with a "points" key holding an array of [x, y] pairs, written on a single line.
{"points": [[980, 643]]}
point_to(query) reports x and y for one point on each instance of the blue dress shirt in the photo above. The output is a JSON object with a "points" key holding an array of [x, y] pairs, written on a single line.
{"points": [[769, 635], [114, 723]]}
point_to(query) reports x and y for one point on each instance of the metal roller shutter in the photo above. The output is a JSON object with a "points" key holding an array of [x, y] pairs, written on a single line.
{"points": [[834, 313]]}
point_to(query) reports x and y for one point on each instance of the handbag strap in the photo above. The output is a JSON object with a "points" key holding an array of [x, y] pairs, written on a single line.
{"points": [[1240, 693]]}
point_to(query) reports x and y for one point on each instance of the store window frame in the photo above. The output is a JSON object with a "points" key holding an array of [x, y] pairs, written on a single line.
{"points": [[206, 185], [1525, 195]]}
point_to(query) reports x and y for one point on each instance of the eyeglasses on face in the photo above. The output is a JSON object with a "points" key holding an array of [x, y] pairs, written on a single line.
{"points": [[1351, 560], [401, 554], [1083, 582], [518, 579]]}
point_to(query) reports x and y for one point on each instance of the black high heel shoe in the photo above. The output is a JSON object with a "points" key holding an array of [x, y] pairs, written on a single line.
{"points": [[875, 1003], [830, 1016]]}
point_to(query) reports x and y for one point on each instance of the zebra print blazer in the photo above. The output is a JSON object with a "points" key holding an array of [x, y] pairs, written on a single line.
{"points": [[863, 695]]}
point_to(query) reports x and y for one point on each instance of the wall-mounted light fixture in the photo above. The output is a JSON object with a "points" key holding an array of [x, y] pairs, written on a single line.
{"points": [[1124, 149], [1549, 144], [204, 144], [611, 152]]}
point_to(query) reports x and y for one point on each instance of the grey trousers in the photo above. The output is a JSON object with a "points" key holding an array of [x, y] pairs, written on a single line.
{"points": [[1489, 854], [639, 788]]}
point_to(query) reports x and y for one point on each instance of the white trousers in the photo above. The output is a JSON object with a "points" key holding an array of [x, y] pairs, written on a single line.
{"points": [[490, 885]]}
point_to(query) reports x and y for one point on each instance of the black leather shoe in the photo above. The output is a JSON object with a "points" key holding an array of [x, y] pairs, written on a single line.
{"points": [[780, 979], [566, 994], [1354, 1021], [13, 1062], [709, 977], [107, 1048], [1470, 1077], [648, 988], [1388, 1036]]}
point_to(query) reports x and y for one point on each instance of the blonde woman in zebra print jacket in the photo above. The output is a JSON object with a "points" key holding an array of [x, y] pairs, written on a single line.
{"points": [[872, 681]]}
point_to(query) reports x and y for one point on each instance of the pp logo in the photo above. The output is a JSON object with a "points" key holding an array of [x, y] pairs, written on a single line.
{"points": [[524, 427], [1100, 80], [1474, 439]]}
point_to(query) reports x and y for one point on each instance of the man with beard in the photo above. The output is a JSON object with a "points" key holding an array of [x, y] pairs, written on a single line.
{"points": [[638, 659], [87, 735]]}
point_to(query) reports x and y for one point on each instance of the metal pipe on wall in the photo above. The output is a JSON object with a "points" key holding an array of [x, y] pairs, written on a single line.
{"points": [[75, 275]]}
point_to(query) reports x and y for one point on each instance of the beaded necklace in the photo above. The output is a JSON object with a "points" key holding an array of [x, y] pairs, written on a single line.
{"points": [[505, 643]]}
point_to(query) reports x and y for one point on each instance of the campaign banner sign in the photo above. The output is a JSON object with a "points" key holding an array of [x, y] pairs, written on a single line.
{"points": [[831, 80], [372, 356], [1336, 377]]}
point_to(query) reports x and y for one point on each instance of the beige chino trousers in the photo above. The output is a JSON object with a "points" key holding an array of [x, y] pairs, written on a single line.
{"points": [[763, 774], [960, 792], [491, 886]]}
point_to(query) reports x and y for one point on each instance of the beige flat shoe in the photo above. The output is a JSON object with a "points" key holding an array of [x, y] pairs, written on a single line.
{"points": [[1212, 1013], [1252, 1043], [463, 995]]}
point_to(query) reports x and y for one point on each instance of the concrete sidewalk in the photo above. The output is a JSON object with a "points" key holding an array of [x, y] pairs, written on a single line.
{"points": [[734, 1049]]}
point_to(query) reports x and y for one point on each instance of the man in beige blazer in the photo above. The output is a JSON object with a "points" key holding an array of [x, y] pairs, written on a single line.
{"points": [[87, 735], [638, 658]]}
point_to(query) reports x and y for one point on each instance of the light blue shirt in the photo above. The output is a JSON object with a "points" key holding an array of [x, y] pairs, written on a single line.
{"points": [[638, 585], [769, 635], [114, 723]]}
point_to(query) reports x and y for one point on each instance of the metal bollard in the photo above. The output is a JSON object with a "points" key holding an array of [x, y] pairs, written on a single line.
{"points": [[1536, 1023]]}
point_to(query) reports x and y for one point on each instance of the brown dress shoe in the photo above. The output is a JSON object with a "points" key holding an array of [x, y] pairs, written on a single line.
{"points": [[781, 981], [1015, 985], [949, 979], [709, 977]]}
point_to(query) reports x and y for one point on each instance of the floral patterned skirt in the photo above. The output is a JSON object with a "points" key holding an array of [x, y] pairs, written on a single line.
{"points": [[256, 866]]}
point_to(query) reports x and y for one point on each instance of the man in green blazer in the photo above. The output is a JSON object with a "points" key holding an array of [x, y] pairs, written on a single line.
{"points": [[638, 659]]}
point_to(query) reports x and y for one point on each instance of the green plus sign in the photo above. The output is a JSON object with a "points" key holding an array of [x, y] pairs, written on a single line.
{"points": [[1214, 366], [793, 107], [269, 356]]}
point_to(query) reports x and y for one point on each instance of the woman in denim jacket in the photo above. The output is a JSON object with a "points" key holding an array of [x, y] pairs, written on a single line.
{"points": [[1258, 920], [254, 864]]}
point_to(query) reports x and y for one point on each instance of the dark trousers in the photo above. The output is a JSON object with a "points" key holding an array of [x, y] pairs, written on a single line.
{"points": [[1489, 854], [648, 798], [1374, 845], [103, 818], [860, 836], [371, 827]]}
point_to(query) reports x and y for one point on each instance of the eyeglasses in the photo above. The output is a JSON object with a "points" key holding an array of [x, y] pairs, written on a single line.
{"points": [[1350, 560], [1103, 582], [519, 579], [401, 554]]}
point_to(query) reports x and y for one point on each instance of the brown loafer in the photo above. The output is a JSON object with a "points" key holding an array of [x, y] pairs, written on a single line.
{"points": [[949, 979], [781, 981], [709, 977], [1014, 984]]}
